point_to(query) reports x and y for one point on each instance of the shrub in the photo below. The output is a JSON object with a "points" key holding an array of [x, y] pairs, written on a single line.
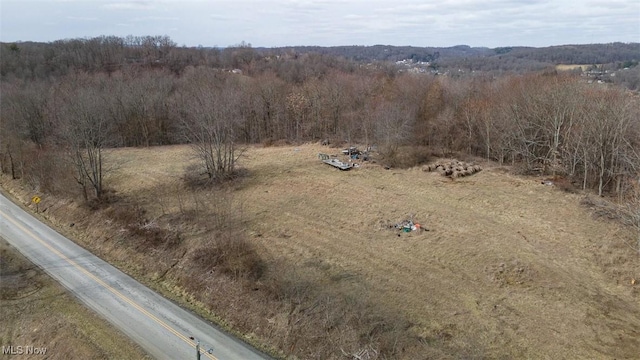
{"points": [[147, 234], [331, 314], [231, 253], [565, 185], [196, 179], [150, 235], [408, 157], [108, 198], [268, 142]]}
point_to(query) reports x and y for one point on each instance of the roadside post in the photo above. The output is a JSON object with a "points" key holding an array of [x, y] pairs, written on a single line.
{"points": [[198, 354]]}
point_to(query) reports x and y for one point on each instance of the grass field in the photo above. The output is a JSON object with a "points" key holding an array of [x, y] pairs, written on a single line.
{"points": [[508, 268], [566, 67], [37, 312], [518, 266]]}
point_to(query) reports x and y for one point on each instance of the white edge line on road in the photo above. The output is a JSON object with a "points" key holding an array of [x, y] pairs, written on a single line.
{"points": [[105, 285]]}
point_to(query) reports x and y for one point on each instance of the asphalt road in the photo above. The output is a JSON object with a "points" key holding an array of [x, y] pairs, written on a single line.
{"points": [[161, 328]]}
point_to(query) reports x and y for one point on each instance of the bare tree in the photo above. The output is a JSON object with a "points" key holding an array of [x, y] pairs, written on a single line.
{"points": [[431, 106], [609, 122], [393, 126], [557, 112], [271, 106], [85, 132], [298, 109], [210, 118], [25, 104], [138, 109]]}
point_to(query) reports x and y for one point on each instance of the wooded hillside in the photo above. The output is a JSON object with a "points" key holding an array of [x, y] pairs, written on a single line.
{"points": [[82, 95]]}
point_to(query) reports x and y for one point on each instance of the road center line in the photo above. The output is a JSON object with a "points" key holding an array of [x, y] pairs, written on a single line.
{"points": [[105, 285]]}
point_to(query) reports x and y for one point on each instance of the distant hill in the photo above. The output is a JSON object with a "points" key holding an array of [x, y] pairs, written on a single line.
{"points": [[111, 53], [388, 52], [480, 58], [563, 54]]}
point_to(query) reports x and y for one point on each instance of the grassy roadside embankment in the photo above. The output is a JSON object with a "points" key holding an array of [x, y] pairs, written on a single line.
{"points": [[38, 312]]}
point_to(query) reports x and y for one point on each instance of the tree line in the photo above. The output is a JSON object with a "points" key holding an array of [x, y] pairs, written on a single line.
{"points": [[545, 122], [111, 53], [545, 56]]}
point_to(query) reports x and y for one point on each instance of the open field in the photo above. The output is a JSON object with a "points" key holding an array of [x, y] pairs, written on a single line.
{"points": [[509, 268], [565, 67], [517, 265], [37, 312]]}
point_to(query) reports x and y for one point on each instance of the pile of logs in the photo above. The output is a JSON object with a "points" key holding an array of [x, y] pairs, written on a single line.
{"points": [[453, 169]]}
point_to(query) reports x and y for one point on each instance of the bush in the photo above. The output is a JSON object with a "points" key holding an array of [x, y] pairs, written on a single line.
{"points": [[271, 142], [230, 253], [195, 178], [108, 198], [565, 185], [126, 214], [150, 235], [146, 234], [408, 157], [601, 208], [332, 316]]}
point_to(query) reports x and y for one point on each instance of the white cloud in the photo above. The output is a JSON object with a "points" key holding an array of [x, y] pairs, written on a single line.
{"points": [[332, 22], [129, 5], [155, 18], [82, 18]]}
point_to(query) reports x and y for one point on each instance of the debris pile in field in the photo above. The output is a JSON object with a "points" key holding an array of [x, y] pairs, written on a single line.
{"points": [[356, 154], [453, 169], [353, 158], [406, 226]]}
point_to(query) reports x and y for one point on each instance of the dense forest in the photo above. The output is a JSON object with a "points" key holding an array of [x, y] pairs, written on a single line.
{"points": [[82, 95]]}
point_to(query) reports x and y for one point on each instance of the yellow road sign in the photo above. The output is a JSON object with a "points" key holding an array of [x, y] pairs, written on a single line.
{"points": [[35, 199]]}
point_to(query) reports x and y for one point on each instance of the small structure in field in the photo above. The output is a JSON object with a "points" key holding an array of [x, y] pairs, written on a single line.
{"points": [[353, 155], [338, 164], [351, 151]]}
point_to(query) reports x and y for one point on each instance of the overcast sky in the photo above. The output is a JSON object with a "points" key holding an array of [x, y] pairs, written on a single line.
{"points": [[271, 23]]}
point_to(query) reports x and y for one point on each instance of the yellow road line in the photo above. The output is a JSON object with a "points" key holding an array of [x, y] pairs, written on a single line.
{"points": [[106, 286]]}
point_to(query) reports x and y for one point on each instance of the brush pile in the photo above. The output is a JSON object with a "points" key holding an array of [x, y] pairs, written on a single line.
{"points": [[453, 169]]}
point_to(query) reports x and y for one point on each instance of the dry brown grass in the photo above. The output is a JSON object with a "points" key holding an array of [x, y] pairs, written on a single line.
{"points": [[444, 278], [38, 312], [510, 268], [300, 209], [566, 67]]}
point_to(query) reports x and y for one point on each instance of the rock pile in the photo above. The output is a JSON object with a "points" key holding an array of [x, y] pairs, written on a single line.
{"points": [[453, 169]]}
